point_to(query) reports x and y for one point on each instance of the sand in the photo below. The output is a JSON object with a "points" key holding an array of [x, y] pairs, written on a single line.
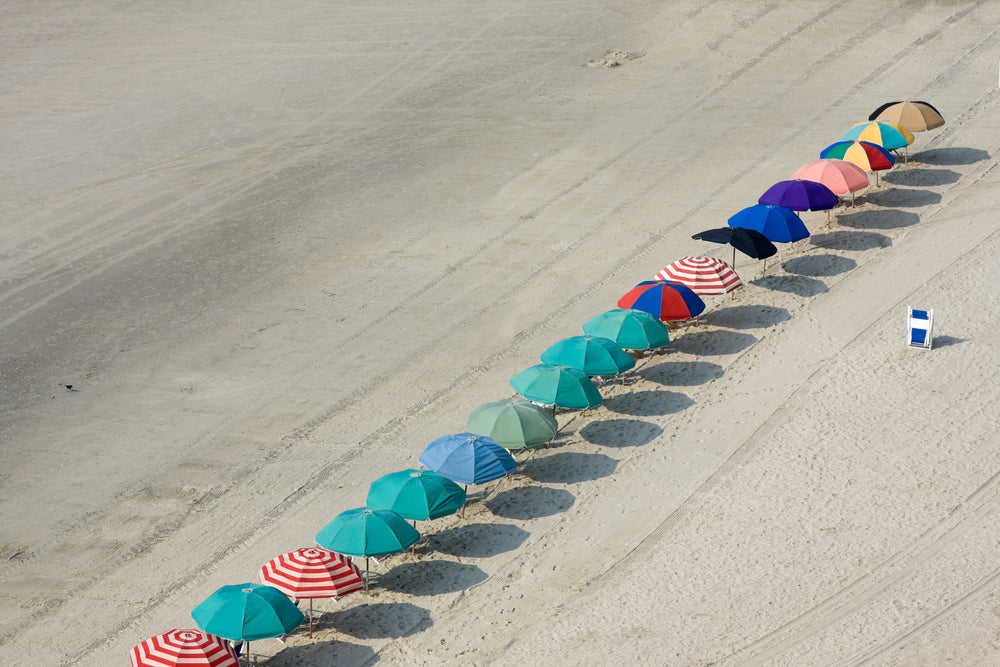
{"points": [[277, 250]]}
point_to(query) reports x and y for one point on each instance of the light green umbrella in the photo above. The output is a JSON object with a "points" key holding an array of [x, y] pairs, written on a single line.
{"points": [[630, 329], [558, 386], [513, 424], [594, 355]]}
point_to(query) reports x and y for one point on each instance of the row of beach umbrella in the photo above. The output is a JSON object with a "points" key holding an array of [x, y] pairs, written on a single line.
{"points": [[563, 379]]}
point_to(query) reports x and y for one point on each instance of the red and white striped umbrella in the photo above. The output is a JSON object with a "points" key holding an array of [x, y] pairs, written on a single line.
{"points": [[176, 647], [312, 572], [703, 275]]}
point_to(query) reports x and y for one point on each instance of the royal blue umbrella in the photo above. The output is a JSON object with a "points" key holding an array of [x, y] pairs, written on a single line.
{"points": [[558, 386], [468, 458], [777, 223], [246, 612]]}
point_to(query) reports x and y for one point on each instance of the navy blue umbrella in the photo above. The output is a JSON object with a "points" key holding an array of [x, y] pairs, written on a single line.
{"points": [[748, 241]]}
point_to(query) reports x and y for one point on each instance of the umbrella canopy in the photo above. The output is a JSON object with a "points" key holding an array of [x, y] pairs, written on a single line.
{"points": [[557, 385], [468, 458], [881, 133], [667, 300], [799, 195], [777, 223], [748, 241], [590, 354], [312, 572], [184, 647], [247, 612], [513, 424], [866, 155], [417, 495], [704, 275], [915, 116], [367, 531], [840, 176], [630, 329]]}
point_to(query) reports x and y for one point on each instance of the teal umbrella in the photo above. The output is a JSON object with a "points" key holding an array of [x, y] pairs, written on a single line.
{"points": [[367, 531], [245, 612], [558, 386], [594, 355], [514, 423], [630, 329], [417, 495]]}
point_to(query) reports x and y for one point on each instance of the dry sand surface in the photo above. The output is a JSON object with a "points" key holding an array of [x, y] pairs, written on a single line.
{"points": [[277, 248]]}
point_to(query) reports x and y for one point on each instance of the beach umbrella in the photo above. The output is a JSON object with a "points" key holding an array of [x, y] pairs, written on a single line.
{"points": [[881, 133], [513, 423], [174, 648], [558, 386], [630, 329], [777, 223], [915, 116], [417, 495], [367, 531], [865, 154], [669, 301], [748, 241], [704, 275], [247, 612], [312, 572], [594, 355], [840, 176], [468, 458], [799, 195]]}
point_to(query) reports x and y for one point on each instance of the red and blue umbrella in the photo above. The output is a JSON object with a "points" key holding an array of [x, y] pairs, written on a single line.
{"points": [[777, 223], [800, 195], [667, 300]]}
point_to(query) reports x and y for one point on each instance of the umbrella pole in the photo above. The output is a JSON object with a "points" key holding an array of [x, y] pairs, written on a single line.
{"points": [[763, 271], [366, 575], [734, 257], [310, 618]]}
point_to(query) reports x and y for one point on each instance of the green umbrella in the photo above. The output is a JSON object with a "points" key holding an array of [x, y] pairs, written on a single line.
{"points": [[417, 495], [630, 329], [514, 423], [244, 612], [367, 531], [594, 355], [558, 386]]}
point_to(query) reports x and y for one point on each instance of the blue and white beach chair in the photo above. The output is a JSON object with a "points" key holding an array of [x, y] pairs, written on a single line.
{"points": [[918, 327]]}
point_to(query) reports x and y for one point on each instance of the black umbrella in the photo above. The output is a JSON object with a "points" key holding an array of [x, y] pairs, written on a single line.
{"points": [[748, 241]]}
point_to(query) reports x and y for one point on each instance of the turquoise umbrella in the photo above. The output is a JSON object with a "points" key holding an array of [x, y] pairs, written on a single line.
{"points": [[417, 495], [367, 531], [514, 423], [558, 386], [630, 329], [245, 612], [594, 355]]}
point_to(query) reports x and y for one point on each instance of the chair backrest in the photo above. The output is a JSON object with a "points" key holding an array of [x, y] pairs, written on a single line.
{"points": [[918, 327]]}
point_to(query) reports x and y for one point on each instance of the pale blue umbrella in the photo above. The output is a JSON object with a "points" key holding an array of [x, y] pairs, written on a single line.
{"points": [[468, 458]]}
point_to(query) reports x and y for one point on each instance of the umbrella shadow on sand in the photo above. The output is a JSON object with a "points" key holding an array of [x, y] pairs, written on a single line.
{"points": [[620, 432], [323, 653], [850, 241], [681, 373], [477, 540], [950, 155], [797, 285], [819, 265], [746, 317], [649, 403], [386, 620], [718, 341], [922, 177], [570, 468], [530, 502], [432, 577], [878, 219], [904, 198]]}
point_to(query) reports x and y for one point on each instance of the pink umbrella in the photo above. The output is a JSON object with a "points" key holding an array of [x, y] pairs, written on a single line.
{"points": [[840, 176], [312, 572], [184, 647], [704, 275]]}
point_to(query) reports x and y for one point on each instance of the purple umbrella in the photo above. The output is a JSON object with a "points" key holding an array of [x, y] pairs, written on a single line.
{"points": [[800, 195]]}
